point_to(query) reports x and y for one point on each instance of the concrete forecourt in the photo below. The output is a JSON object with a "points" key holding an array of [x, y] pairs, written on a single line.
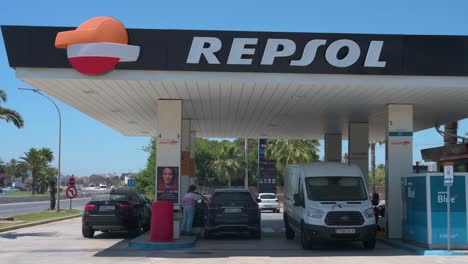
{"points": [[62, 242]]}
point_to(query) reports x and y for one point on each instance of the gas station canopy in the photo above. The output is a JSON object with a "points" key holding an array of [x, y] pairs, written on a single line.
{"points": [[255, 84]]}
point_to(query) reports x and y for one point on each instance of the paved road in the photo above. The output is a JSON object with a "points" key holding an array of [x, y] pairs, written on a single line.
{"points": [[61, 242], [13, 209]]}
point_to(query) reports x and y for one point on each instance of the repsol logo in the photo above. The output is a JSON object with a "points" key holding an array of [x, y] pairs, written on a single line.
{"points": [[242, 50]]}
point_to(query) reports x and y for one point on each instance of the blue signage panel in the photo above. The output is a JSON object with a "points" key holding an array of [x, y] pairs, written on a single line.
{"points": [[266, 170], [439, 210], [131, 183], [415, 210]]}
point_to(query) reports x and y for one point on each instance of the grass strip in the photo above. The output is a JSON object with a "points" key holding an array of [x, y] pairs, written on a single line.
{"points": [[37, 217]]}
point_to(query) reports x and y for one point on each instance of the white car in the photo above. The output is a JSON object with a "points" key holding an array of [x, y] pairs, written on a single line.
{"points": [[269, 201]]}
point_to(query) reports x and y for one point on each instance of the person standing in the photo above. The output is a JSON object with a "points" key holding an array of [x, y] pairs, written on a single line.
{"points": [[188, 203]]}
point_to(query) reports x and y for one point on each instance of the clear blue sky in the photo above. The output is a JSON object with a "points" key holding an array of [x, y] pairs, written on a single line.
{"points": [[90, 147]]}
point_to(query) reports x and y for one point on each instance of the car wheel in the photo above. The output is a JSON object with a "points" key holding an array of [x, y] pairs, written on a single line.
{"points": [[306, 242], [135, 231], [257, 234], [87, 231], [369, 244], [147, 226], [208, 234]]}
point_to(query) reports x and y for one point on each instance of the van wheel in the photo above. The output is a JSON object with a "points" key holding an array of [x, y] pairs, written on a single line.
{"points": [[87, 232], [306, 242], [369, 244], [288, 231]]}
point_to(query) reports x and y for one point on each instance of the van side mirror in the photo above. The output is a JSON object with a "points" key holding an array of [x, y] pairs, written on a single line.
{"points": [[297, 200]]}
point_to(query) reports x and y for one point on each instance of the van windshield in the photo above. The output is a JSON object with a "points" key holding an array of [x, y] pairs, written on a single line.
{"points": [[336, 189]]}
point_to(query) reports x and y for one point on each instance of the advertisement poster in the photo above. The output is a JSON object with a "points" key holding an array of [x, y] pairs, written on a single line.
{"points": [[168, 184], [439, 210]]}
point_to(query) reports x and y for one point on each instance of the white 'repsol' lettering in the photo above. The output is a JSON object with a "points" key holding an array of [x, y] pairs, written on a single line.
{"points": [[238, 49], [241, 54], [198, 49], [276, 48]]}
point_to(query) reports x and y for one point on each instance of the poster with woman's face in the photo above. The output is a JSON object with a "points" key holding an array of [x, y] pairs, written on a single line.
{"points": [[168, 184]]}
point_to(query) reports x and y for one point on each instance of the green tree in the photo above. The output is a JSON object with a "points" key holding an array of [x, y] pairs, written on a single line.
{"points": [[2, 166], [43, 179], [229, 164], [291, 151], [372, 144], [145, 182], [10, 115], [252, 158], [36, 160], [205, 155], [379, 176]]}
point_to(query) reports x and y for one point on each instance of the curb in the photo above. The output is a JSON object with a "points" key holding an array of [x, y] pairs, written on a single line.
{"points": [[421, 251], [162, 246], [5, 229], [142, 242]]}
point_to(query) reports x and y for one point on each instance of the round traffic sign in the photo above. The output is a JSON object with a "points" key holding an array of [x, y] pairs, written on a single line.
{"points": [[71, 181], [71, 192]]}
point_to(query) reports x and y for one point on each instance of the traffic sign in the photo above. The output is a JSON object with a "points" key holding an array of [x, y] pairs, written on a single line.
{"points": [[71, 192], [71, 181]]}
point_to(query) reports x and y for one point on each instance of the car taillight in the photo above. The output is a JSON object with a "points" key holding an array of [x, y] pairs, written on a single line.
{"points": [[126, 206], [89, 207], [276, 200]]}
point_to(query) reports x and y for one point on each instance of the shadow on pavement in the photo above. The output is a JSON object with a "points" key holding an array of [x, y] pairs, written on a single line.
{"points": [[18, 235], [272, 244]]}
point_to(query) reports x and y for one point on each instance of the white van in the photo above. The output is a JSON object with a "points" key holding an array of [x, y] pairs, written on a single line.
{"points": [[327, 201]]}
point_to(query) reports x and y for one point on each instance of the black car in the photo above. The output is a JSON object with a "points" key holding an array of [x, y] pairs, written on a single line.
{"points": [[233, 210], [117, 210]]}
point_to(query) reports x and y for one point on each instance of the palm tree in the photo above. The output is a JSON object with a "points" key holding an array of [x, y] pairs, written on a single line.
{"points": [[229, 163], [292, 151], [10, 115], [37, 160], [372, 147], [47, 156]]}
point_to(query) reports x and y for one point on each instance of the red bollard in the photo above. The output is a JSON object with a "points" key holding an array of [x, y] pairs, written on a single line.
{"points": [[162, 222]]}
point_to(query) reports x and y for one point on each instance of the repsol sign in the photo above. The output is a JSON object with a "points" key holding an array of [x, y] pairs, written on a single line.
{"points": [[341, 53], [256, 52]]}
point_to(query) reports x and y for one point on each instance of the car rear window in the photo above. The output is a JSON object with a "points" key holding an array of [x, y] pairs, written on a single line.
{"points": [[267, 196], [232, 198], [117, 197]]}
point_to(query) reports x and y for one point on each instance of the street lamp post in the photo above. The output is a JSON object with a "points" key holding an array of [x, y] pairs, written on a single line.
{"points": [[60, 140]]}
